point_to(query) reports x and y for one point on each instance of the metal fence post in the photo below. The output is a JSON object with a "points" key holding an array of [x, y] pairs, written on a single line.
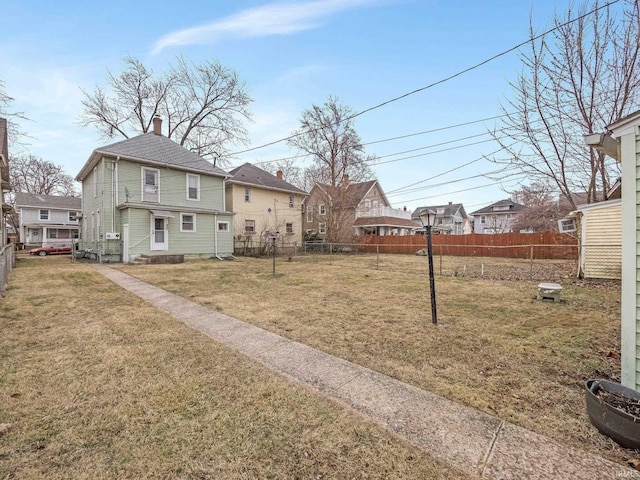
{"points": [[531, 256]]}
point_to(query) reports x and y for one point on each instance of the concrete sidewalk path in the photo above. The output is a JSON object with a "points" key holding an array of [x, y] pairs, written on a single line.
{"points": [[470, 440]]}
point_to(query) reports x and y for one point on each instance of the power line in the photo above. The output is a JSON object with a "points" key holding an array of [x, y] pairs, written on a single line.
{"points": [[373, 142], [448, 171], [439, 82]]}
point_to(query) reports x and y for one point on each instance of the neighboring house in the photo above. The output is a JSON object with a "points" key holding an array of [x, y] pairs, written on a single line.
{"points": [[264, 204], [5, 184], [47, 219], [451, 219], [599, 230], [147, 195], [498, 217], [337, 214], [623, 143]]}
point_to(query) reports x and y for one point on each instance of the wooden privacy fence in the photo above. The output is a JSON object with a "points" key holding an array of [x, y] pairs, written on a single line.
{"points": [[547, 245]]}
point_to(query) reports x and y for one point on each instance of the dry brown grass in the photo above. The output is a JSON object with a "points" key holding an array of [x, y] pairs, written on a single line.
{"points": [[95, 384], [496, 347]]}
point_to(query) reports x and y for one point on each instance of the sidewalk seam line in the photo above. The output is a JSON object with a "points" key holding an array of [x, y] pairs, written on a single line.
{"points": [[335, 390], [485, 461]]}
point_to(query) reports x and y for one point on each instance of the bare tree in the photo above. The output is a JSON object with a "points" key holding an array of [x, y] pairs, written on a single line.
{"points": [[327, 136], [35, 175], [14, 132], [582, 77], [291, 172], [542, 212], [204, 106]]}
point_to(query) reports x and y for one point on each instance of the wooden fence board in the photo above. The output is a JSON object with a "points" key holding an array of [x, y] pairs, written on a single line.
{"points": [[547, 245]]}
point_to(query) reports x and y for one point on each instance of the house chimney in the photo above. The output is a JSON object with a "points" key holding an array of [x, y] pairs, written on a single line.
{"points": [[405, 208], [450, 203], [345, 180], [279, 174], [157, 125]]}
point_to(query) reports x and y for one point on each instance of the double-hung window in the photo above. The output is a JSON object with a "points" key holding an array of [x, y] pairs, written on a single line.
{"points": [[187, 222], [150, 184], [249, 227], [309, 213], [322, 209], [44, 214], [193, 187], [322, 228]]}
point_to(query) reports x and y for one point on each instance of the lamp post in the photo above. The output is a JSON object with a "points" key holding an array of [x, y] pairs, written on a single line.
{"points": [[428, 218]]}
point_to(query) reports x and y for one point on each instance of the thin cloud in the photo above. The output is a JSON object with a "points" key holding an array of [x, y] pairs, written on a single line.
{"points": [[272, 19]]}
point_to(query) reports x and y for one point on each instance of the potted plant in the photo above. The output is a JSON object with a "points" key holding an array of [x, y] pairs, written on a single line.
{"points": [[615, 411]]}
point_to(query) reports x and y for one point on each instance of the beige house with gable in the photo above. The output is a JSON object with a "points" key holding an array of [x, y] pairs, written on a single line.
{"points": [[263, 203]]}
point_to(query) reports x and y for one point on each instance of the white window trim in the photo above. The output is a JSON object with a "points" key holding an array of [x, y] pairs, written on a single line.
{"points": [[322, 209], [248, 232], [309, 213], [292, 228], [40, 210], [223, 223], [322, 228], [291, 201], [247, 195], [197, 177], [182, 230], [142, 175], [69, 216]]}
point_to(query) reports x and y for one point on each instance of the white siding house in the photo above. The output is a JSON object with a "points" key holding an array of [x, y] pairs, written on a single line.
{"points": [[47, 219]]}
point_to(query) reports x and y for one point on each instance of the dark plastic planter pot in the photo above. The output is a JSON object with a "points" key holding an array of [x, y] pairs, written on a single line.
{"points": [[621, 426]]}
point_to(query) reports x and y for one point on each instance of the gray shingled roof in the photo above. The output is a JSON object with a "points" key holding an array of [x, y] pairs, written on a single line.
{"points": [[24, 199], [349, 196], [159, 150], [252, 175], [449, 210], [386, 221], [513, 207]]}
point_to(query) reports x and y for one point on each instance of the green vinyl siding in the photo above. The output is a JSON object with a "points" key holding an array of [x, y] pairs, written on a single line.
{"points": [[637, 263], [172, 187], [201, 242], [119, 201]]}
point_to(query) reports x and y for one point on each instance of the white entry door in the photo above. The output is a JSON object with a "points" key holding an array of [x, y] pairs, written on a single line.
{"points": [[159, 233]]}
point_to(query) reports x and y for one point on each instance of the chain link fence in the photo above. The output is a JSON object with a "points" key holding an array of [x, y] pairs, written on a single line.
{"points": [[486, 264]]}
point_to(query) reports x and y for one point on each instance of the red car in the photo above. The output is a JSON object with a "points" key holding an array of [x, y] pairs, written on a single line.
{"points": [[51, 250]]}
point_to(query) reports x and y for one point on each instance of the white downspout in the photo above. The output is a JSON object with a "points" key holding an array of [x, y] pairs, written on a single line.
{"points": [[114, 189], [215, 237]]}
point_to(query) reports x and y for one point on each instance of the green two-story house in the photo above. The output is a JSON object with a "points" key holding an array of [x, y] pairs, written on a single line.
{"points": [[147, 195]]}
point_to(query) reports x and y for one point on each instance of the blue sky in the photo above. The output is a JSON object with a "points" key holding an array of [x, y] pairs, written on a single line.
{"points": [[291, 55]]}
